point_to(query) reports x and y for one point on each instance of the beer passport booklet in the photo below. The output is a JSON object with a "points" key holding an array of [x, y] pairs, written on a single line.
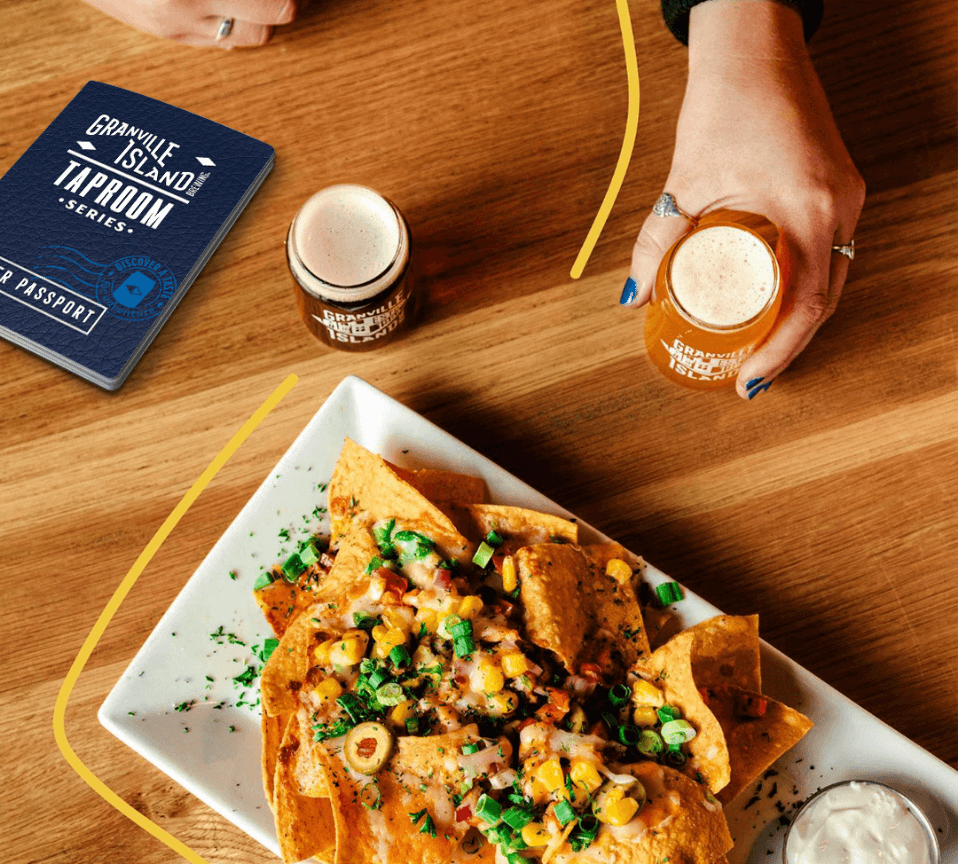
{"points": [[108, 218]]}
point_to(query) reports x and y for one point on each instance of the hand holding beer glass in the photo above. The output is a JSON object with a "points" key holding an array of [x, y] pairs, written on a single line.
{"points": [[756, 135]]}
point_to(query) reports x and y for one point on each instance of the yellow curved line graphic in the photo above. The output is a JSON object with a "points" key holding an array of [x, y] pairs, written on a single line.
{"points": [[59, 710], [628, 142]]}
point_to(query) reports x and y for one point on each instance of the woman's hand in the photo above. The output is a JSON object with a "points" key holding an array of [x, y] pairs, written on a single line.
{"points": [[756, 134], [196, 22]]}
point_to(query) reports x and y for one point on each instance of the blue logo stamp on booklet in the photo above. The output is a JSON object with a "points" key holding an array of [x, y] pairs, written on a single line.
{"points": [[136, 287]]}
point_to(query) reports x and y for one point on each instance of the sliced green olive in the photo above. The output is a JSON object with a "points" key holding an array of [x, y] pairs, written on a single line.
{"points": [[367, 747]]}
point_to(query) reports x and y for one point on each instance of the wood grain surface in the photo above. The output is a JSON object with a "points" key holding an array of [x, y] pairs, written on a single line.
{"points": [[828, 505]]}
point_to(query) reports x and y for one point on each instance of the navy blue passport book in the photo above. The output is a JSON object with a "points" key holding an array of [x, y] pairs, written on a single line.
{"points": [[106, 221]]}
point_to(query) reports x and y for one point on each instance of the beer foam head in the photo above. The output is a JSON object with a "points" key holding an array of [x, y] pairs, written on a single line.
{"points": [[347, 235], [723, 276]]}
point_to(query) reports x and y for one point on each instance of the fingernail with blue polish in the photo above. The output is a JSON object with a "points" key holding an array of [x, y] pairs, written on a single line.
{"points": [[753, 382], [629, 292], [754, 391]]}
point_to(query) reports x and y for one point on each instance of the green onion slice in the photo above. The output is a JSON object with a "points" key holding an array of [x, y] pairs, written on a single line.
{"points": [[668, 593], [390, 694], [677, 732], [630, 735], [488, 809], [262, 581], [366, 621], [351, 705], [620, 694], [308, 554], [517, 817], [400, 656], [565, 812], [469, 749], [650, 743], [493, 538], [463, 646], [667, 713], [676, 758], [292, 567], [463, 628], [483, 554]]}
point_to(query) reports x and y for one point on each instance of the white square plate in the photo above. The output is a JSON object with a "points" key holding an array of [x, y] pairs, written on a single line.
{"points": [[218, 758]]}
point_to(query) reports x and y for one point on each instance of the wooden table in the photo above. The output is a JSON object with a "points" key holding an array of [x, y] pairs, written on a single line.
{"points": [[827, 505]]}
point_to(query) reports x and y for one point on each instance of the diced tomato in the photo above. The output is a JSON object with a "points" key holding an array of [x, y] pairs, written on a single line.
{"points": [[557, 706], [497, 559], [527, 722], [394, 582], [503, 606], [464, 813], [747, 705], [591, 672], [444, 578]]}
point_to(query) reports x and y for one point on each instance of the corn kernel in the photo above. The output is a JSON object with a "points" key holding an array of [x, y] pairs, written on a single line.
{"points": [[584, 775], [395, 619], [429, 618], [328, 688], [550, 774], [470, 606], [321, 651], [487, 677], [621, 811], [606, 800], [509, 579], [539, 792], [645, 715], [347, 652], [514, 664], [501, 704], [449, 604], [536, 834], [618, 570], [646, 693], [401, 712], [388, 637]]}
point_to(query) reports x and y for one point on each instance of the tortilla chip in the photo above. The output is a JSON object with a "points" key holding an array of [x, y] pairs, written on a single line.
{"points": [[274, 728], [615, 605], [517, 526], [573, 609], [552, 581], [697, 832], [304, 825], [285, 671], [364, 488], [660, 625], [282, 602], [754, 743], [670, 668], [309, 773], [388, 834], [443, 486], [726, 651]]}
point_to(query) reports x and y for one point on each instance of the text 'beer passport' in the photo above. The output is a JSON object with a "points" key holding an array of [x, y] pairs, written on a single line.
{"points": [[106, 221]]}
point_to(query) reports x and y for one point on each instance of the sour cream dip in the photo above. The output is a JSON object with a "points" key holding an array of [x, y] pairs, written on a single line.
{"points": [[860, 822]]}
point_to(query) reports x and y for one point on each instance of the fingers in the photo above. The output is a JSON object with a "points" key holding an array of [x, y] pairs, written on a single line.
{"points": [[264, 12], [244, 34], [657, 235], [816, 276]]}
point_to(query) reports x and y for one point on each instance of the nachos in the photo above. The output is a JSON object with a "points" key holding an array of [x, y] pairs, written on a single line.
{"points": [[462, 681]]}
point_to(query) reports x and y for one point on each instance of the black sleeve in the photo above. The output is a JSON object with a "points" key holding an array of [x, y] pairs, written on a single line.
{"points": [[676, 14]]}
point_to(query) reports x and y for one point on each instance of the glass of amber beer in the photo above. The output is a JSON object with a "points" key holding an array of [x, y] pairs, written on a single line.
{"points": [[715, 298]]}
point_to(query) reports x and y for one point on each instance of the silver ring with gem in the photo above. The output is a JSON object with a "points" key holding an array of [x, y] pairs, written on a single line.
{"points": [[666, 206], [225, 28], [846, 249]]}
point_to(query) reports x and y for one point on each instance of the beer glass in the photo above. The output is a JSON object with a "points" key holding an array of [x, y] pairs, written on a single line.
{"points": [[715, 298], [349, 252]]}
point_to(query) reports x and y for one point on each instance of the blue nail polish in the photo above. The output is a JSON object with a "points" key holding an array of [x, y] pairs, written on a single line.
{"points": [[758, 389], [629, 292], [753, 382]]}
